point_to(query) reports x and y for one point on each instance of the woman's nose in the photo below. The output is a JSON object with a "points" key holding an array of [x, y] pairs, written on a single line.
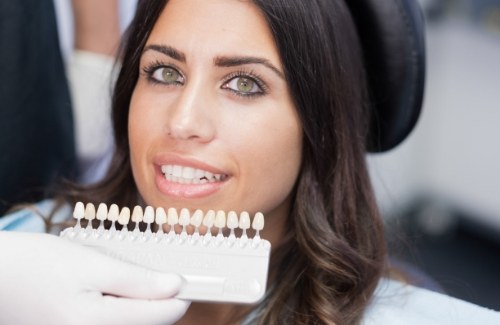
{"points": [[191, 117]]}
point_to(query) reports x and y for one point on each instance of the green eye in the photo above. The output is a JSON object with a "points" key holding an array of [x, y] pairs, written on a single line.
{"points": [[166, 75], [170, 75], [245, 85]]}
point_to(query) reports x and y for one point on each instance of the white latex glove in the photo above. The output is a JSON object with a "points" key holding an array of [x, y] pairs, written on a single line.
{"points": [[47, 280]]}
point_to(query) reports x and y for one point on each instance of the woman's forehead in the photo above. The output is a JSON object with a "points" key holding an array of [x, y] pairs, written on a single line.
{"points": [[215, 28]]}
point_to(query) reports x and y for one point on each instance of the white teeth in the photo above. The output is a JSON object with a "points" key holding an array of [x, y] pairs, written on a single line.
{"points": [[198, 173], [184, 218], [177, 171], [189, 175]]}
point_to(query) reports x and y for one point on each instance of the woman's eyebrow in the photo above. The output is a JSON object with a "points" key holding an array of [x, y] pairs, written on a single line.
{"points": [[167, 50], [226, 61], [220, 61]]}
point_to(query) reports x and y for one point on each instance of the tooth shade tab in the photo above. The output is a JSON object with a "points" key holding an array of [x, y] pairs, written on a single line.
{"points": [[232, 220], [149, 215], [102, 212], [220, 219], [137, 214], [113, 212], [172, 217], [184, 218], [258, 221], [89, 213], [79, 211], [184, 225], [124, 216], [209, 219], [197, 218], [244, 220], [161, 216]]}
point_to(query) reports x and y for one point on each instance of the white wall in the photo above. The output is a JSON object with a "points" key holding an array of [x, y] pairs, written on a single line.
{"points": [[453, 155]]}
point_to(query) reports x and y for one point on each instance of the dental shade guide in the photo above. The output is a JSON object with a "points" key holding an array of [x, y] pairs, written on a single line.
{"points": [[215, 268]]}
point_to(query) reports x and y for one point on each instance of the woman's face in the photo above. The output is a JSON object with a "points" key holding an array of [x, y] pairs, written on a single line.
{"points": [[212, 124]]}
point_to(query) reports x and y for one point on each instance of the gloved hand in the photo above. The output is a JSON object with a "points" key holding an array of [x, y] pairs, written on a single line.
{"points": [[45, 279]]}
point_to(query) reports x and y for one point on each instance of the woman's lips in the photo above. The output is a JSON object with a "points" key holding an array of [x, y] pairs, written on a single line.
{"points": [[182, 181]]}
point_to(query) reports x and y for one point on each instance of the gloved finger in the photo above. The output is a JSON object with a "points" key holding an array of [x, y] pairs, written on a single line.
{"points": [[124, 311], [127, 280]]}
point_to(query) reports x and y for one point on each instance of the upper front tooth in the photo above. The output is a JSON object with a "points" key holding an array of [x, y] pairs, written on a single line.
{"points": [[188, 172], [198, 173], [177, 171]]}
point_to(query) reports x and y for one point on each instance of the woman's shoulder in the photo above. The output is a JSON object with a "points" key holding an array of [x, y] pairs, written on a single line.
{"points": [[397, 303], [31, 217]]}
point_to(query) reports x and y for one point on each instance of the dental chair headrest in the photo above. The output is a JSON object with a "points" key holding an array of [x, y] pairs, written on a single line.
{"points": [[392, 36]]}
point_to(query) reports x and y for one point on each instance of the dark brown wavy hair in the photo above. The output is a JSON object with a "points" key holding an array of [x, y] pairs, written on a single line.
{"points": [[334, 254]]}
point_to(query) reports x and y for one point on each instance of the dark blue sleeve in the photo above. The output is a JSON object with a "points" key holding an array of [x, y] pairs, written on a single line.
{"points": [[36, 125]]}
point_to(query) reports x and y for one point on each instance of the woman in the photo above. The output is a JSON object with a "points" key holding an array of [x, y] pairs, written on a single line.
{"points": [[252, 98], [259, 106], [276, 110]]}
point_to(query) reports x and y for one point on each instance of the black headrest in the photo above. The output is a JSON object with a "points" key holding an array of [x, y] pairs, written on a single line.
{"points": [[392, 34]]}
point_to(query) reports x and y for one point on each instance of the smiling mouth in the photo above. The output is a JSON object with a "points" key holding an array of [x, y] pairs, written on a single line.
{"points": [[188, 175]]}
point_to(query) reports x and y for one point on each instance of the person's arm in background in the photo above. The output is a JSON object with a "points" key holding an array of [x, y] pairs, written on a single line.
{"points": [[90, 66], [97, 26]]}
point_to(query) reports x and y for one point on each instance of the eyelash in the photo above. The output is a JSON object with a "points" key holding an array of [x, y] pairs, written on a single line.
{"points": [[151, 68], [249, 75]]}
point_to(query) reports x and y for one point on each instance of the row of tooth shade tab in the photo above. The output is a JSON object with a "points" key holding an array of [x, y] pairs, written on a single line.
{"points": [[169, 219], [218, 267]]}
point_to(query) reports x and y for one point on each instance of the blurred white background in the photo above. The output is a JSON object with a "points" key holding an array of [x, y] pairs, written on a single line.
{"points": [[451, 161], [441, 186]]}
